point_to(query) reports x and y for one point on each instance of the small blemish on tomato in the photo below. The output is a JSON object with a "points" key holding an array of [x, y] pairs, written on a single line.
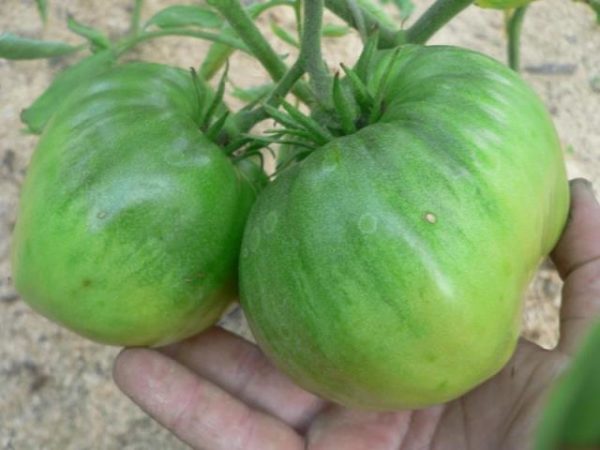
{"points": [[102, 215], [86, 282], [430, 217]]}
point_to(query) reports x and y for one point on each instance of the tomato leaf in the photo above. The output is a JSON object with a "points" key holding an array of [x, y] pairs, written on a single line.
{"points": [[343, 107], [571, 415], [17, 47], [186, 15], [283, 34], [42, 7], [333, 31], [595, 5], [39, 113], [252, 94], [95, 37]]}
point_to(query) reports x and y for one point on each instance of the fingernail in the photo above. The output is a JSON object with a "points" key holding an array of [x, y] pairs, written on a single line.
{"points": [[585, 185]]}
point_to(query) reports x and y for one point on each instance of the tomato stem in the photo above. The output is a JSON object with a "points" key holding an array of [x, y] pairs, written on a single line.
{"points": [[310, 50], [242, 23], [218, 53], [389, 37], [433, 19], [309, 60], [514, 25], [135, 16]]}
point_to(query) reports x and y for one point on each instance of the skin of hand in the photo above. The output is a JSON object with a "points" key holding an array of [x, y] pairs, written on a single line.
{"points": [[217, 391]]}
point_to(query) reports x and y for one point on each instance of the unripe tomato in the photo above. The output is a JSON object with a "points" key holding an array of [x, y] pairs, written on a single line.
{"points": [[131, 218], [387, 269]]}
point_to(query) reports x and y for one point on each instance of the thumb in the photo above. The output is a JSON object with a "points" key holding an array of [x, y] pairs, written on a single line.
{"points": [[577, 258]]}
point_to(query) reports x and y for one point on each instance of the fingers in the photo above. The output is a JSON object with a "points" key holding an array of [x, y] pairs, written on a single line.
{"points": [[577, 257], [241, 369], [580, 242], [198, 412], [340, 428]]}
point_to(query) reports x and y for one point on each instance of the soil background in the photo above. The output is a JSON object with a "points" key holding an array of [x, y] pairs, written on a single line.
{"points": [[56, 390]]}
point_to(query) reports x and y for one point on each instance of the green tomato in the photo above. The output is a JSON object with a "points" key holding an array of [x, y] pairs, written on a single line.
{"points": [[131, 218], [387, 269]]}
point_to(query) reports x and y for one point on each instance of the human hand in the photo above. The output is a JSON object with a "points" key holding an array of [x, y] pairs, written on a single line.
{"points": [[217, 391]]}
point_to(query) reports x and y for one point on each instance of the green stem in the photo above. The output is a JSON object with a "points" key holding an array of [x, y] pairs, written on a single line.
{"points": [[433, 19], [130, 42], [135, 16], [219, 53], [298, 15], [309, 60], [310, 49], [513, 29], [242, 23], [245, 120], [358, 19], [388, 37]]}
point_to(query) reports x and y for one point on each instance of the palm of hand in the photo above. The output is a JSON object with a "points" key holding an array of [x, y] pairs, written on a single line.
{"points": [[217, 391]]}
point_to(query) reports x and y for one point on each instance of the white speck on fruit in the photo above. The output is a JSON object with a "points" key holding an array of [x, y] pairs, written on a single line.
{"points": [[102, 215], [270, 222], [430, 217], [367, 223]]}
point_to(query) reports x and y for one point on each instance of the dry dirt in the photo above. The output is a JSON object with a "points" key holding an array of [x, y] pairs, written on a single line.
{"points": [[55, 388]]}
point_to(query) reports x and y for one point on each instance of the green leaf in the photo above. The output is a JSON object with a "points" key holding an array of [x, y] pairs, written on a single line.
{"points": [[217, 100], [343, 107], [332, 31], [213, 131], [40, 112], [571, 418], [359, 89], [17, 47], [186, 15], [367, 54], [95, 37], [320, 134], [42, 7], [283, 34], [595, 5], [252, 94]]}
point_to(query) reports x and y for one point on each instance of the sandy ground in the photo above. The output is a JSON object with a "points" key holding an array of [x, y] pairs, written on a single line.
{"points": [[55, 388]]}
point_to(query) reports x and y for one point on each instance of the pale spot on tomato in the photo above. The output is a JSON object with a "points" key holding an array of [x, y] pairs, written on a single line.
{"points": [[270, 222], [430, 217], [254, 239]]}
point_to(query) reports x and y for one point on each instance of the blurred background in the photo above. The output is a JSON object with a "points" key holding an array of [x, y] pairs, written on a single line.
{"points": [[56, 390]]}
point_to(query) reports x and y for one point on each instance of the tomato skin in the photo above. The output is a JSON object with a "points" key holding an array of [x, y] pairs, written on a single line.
{"points": [[130, 218], [386, 270]]}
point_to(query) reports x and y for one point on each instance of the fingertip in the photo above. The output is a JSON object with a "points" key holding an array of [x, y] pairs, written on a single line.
{"points": [[582, 192], [580, 241], [129, 363]]}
